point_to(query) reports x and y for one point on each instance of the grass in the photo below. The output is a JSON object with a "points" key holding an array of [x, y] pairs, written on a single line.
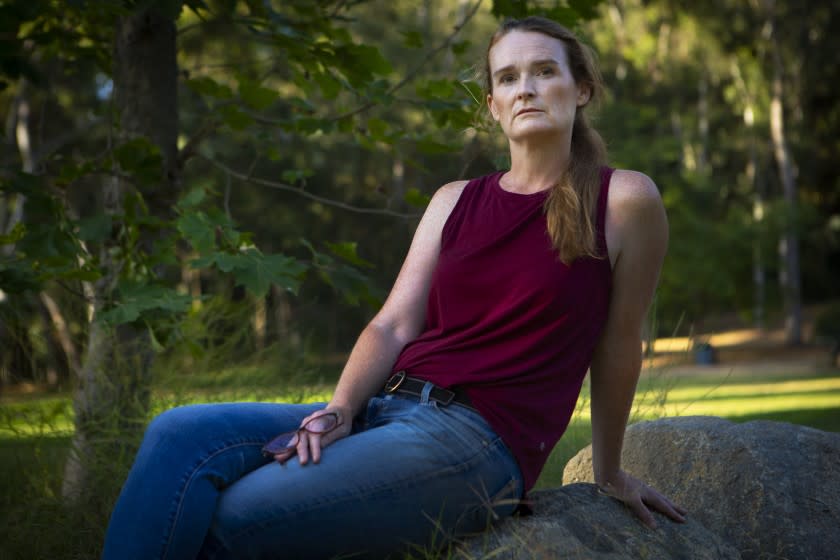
{"points": [[35, 433], [809, 400]]}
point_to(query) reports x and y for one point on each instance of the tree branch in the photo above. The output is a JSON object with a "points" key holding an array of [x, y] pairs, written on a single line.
{"points": [[284, 187], [190, 149], [412, 74]]}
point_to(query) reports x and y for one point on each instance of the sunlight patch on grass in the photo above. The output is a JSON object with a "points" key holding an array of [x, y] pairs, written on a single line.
{"points": [[53, 416], [761, 404], [729, 389], [717, 396]]}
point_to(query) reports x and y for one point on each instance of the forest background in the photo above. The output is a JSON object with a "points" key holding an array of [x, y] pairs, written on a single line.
{"points": [[188, 187]]}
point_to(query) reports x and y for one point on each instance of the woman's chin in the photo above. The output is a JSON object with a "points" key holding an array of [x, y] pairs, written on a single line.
{"points": [[534, 131]]}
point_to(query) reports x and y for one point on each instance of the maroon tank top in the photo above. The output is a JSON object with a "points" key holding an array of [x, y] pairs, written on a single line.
{"points": [[507, 321]]}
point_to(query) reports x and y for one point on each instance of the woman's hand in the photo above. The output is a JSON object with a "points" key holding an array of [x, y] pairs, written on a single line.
{"points": [[642, 498], [308, 445]]}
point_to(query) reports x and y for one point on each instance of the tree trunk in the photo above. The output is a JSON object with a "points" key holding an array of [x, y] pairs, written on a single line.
{"points": [[57, 340], [19, 120], [111, 403], [703, 123], [789, 276], [63, 335]]}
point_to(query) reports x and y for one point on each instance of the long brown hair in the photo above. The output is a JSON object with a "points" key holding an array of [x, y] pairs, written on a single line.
{"points": [[572, 202]]}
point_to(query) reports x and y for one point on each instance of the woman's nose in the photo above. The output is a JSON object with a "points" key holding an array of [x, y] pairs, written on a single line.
{"points": [[526, 88]]}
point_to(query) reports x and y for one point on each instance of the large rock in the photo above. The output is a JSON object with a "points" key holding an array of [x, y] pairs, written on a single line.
{"points": [[579, 522], [770, 488]]}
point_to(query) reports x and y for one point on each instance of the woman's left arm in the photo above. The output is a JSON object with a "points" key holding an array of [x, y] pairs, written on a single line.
{"points": [[637, 235]]}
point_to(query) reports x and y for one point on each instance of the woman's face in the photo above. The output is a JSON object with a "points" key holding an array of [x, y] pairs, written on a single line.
{"points": [[534, 93]]}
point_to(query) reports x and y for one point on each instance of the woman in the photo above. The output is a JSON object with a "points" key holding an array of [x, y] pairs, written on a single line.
{"points": [[456, 392]]}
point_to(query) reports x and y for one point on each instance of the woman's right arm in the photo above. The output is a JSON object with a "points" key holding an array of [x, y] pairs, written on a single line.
{"points": [[397, 323]]}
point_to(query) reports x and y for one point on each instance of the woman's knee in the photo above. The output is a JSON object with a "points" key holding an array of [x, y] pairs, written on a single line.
{"points": [[176, 425]]}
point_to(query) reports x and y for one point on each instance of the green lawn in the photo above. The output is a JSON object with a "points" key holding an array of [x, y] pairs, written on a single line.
{"points": [[810, 400], [35, 434]]}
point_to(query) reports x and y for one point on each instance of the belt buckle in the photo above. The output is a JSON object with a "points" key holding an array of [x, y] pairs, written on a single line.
{"points": [[395, 381]]}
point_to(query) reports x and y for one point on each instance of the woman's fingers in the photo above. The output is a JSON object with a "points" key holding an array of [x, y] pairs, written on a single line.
{"points": [[315, 447], [303, 447], [663, 505], [308, 445], [642, 512], [641, 499]]}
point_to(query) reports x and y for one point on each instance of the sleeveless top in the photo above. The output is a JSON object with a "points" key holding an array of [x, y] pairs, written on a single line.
{"points": [[507, 321]]}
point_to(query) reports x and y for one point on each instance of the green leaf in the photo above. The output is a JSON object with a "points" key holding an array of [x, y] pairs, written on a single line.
{"points": [[348, 281], [132, 154], [412, 39], [311, 125], [377, 128], [586, 9], [330, 87], [475, 91], [204, 261], [13, 236], [432, 89], [373, 59], [169, 9], [18, 277], [256, 96], [198, 230], [157, 347], [460, 47], [95, 228], [432, 147], [235, 118], [141, 158], [564, 15], [347, 251], [510, 8], [209, 87], [73, 171], [295, 175], [132, 299], [193, 198], [257, 272], [359, 63], [417, 198], [351, 284], [227, 262], [346, 125]]}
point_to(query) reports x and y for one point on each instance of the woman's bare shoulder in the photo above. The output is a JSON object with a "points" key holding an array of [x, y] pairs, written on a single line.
{"points": [[444, 201], [634, 212], [451, 192], [628, 187]]}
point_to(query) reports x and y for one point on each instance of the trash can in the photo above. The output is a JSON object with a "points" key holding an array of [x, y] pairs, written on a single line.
{"points": [[704, 354]]}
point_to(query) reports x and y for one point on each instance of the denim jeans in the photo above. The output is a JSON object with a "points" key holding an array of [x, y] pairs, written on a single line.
{"points": [[412, 474]]}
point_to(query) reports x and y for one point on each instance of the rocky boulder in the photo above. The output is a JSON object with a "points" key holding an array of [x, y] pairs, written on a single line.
{"points": [[579, 522], [771, 489]]}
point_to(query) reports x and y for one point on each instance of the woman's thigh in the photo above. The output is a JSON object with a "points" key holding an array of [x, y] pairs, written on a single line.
{"points": [[188, 455], [417, 475]]}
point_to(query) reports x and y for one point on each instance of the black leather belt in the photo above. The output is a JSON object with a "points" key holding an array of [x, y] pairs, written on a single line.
{"points": [[401, 382]]}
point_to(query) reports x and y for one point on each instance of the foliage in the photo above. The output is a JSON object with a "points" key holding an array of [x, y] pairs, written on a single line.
{"points": [[690, 93], [298, 88]]}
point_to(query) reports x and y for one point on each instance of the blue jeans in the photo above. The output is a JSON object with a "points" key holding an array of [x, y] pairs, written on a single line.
{"points": [[411, 475]]}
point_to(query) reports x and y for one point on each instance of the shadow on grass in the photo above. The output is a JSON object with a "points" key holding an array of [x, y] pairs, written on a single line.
{"points": [[826, 419]]}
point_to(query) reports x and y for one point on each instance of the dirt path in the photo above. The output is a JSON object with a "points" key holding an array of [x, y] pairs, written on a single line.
{"points": [[741, 352]]}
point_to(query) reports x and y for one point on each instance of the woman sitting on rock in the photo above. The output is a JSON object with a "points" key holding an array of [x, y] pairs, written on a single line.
{"points": [[454, 395]]}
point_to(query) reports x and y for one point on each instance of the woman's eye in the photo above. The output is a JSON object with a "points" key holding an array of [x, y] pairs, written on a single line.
{"points": [[506, 79], [546, 72]]}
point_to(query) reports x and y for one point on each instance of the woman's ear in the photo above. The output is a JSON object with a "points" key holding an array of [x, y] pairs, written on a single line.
{"points": [[584, 94], [492, 106]]}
